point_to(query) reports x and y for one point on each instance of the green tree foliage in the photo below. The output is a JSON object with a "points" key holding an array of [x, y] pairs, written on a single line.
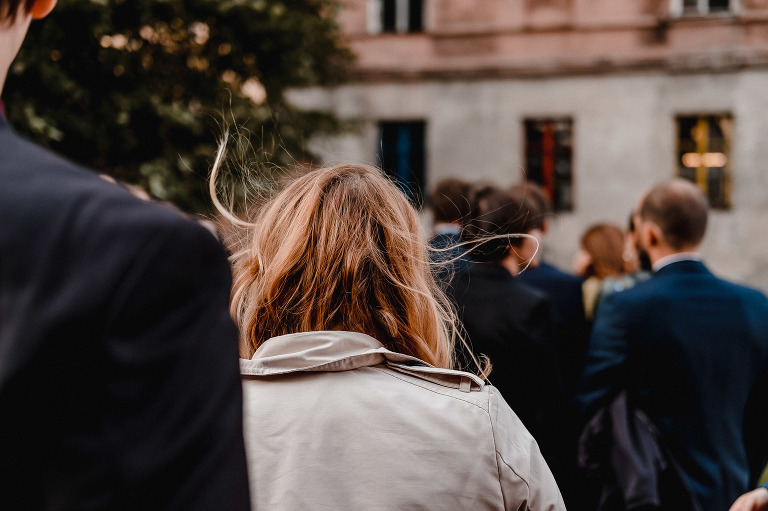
{"points": [[141, 88]]}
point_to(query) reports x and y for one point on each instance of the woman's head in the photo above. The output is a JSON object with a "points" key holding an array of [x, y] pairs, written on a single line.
{"points": [[602, 250], [341, 248]]}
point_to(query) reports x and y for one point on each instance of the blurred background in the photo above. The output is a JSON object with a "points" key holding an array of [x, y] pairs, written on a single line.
{"points": [[595, 100]]}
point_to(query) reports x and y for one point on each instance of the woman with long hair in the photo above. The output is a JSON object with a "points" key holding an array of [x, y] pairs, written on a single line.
{"points": [[350, 398]]}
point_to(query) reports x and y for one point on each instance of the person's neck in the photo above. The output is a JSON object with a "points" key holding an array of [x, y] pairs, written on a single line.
{"points": [[511, 263]]}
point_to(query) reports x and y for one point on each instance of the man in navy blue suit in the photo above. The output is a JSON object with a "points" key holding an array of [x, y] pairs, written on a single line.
{"points": [[689, 349], [119, 381]]}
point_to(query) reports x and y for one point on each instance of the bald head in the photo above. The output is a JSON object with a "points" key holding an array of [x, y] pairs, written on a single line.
{"points": [[680, 210]]}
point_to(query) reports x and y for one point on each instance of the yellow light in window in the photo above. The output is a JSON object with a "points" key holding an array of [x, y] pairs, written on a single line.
{"points": [[694, 160]]}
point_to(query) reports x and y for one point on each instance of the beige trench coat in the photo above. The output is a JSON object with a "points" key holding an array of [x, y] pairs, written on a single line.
{"points": [[333, 420]]}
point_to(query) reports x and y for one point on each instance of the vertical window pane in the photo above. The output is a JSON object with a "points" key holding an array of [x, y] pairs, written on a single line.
{"points": [[416, 16], [388, 17], [402, 156], [548, 154], [703, 155]]}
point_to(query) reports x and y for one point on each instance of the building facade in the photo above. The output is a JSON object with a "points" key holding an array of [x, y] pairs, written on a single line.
{"points": [[593, 99]]}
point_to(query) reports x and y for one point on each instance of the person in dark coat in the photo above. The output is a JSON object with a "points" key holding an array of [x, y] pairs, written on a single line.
{"points": [[690, 350], [571, 333], [119, 385], [509, 322], [563, 289]]}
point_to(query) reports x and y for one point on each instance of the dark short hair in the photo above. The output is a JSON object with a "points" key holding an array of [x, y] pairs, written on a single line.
{"points": [[494, 212], [450, 200], [680, 210], [537, 195], [535, 200], [9, 8]]}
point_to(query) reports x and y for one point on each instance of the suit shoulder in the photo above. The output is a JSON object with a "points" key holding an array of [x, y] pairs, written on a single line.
{"points": [[746, 293], [58, 206]]}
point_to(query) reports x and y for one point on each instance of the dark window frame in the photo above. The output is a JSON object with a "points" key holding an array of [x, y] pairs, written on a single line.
{"points": [[703, 150], [548, 154], [389, 16], [402, 155]]}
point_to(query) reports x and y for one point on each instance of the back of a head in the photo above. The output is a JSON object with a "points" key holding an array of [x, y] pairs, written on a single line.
{"points": [[495, 223], [450, 201], [605, 245], [680, 210], [535, 197], [341, 248]]}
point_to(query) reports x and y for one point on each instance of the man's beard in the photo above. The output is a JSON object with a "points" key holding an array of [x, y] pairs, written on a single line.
{"points": [[643, 258]]}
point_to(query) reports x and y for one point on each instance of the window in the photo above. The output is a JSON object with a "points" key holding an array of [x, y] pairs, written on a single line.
{"points": [[703, 155], [700, 7], [548, 152], [402, 156], [396, 15]]}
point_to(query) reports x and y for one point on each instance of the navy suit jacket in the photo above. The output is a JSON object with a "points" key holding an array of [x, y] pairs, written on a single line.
{"points": [[691, 350], [119, 381]]}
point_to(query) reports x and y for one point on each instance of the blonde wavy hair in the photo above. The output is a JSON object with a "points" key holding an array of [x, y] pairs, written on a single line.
{"points": [[340, 248]]}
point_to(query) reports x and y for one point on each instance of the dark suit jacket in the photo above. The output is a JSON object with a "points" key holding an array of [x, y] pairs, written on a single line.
{"points": [[512, 324], [119, 383], [690, 350], [564, 291]]}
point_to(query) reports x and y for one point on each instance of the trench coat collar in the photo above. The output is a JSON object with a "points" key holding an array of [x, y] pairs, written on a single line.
{"points": [[343, 351]]}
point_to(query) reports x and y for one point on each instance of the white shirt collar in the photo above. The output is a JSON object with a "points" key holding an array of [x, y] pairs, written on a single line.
{"points": [[673, 258], [446, 228]]}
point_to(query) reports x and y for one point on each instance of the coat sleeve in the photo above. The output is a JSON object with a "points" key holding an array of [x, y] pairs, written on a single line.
{"points": [[525, 479], [604, 369], [173, 382]]}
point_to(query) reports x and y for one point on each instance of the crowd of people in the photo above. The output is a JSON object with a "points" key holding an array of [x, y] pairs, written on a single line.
{"points": [[377, 369], [624, 370]]}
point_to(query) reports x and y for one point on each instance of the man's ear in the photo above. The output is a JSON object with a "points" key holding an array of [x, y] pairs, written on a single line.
{"points": [[41, 8], [654, 236]]}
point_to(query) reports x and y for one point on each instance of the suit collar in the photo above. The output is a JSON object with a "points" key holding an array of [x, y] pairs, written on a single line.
{"points": [[672, 258], [683, 266]]}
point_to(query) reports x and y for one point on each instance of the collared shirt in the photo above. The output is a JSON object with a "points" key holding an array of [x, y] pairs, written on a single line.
{"points": [[674, 258], [446, 228], [335, 420]]}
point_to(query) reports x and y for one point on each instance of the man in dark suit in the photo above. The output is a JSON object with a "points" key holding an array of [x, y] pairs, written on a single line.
{"points": [[119, 384], [570, 332], [690, 350], [511, 323], [562, 289]]}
